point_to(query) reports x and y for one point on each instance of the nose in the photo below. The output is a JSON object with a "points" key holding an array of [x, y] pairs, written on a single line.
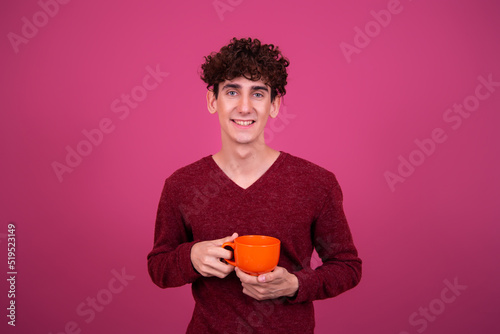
{"points": [[244, 105]]}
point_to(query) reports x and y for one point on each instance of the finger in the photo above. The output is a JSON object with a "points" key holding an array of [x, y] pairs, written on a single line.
{"points": [[245, 278], [218, 263], [249, 292], [255, 294], [219, 269], [220, 253], [277, 274], [223, 272], [266, 278], [219, 242]]}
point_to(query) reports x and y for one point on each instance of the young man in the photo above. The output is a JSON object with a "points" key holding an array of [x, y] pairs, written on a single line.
{"points": [[249, 188]]}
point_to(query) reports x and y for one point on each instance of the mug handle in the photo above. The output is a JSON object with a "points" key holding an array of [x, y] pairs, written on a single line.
{"points": [[231, 245]]}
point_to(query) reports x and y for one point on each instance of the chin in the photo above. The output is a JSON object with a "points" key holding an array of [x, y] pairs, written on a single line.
{"points": [[243, 141]]}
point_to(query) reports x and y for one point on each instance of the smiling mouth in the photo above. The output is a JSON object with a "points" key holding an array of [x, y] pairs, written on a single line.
{"points": [[243, 123]]}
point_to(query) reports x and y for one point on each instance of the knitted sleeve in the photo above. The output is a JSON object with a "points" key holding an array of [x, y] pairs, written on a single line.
{"points": [[341, 267], [169, 263]]}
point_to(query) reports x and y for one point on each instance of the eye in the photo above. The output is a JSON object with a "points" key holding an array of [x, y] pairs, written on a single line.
{"points": [[258, 95], [231, 93]]}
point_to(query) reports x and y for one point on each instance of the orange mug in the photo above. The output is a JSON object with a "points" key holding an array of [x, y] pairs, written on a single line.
{"points": [[255, 254]]}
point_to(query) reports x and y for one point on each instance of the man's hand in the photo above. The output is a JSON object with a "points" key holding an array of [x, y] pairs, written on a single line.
{"points": [[275, 284], [206, 257]]}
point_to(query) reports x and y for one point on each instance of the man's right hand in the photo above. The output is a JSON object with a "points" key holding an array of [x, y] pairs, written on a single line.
{"points": [[206, 257]]}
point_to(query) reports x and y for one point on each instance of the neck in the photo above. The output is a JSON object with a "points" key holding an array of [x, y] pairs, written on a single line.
{"points": [[243, 159]]}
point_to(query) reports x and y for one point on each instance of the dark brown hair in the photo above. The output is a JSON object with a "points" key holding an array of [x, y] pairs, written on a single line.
{"points": [[250, 59]]}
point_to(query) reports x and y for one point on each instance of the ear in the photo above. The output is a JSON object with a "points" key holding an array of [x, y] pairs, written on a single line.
{"points": [[211, 102], [275, 106]]}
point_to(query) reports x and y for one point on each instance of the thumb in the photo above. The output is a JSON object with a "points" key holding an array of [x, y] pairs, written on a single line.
{"points": [[277, 273]]}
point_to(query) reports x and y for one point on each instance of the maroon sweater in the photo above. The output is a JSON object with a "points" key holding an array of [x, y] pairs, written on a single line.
{"points": [[295, 201]]}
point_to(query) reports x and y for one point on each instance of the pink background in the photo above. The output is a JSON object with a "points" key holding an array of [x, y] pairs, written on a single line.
{"points": [[353, 115]]}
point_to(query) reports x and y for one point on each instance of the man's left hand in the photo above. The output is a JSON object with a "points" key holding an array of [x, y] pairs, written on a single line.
{"points": [[275, 284]]}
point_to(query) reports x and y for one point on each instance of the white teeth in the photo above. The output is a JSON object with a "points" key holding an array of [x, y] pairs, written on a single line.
{"points": [[244, 123]]}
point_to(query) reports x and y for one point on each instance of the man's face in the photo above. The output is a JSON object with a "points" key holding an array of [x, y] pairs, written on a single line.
{"points": [[243, 107]]}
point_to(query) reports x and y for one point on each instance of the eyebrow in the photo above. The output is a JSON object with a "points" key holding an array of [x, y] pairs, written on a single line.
{"points": [[238, 86]]}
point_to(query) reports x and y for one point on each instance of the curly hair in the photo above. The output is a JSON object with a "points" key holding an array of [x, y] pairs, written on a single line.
{"points": [[250, 59]]}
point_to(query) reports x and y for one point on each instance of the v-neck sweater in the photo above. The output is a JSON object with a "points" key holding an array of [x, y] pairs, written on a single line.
{"points": [[295, 201]]}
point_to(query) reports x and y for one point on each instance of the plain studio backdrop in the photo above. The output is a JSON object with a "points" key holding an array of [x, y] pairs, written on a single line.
{"points": [[101, 101]]}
